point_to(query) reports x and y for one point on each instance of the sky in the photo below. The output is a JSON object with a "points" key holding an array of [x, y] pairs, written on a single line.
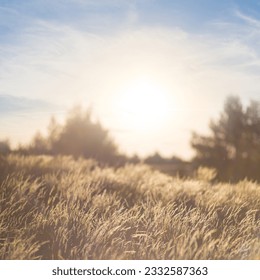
{"points": [[107, 54]]}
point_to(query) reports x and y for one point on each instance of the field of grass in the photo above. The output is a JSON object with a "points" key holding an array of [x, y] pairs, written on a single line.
{"points": [[59, 208]]}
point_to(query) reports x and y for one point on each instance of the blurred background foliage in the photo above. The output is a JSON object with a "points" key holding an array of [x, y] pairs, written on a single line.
{"points": [[231, 150]]}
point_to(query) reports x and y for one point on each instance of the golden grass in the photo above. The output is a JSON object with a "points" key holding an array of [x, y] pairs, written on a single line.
{"points": [[59, 208]]}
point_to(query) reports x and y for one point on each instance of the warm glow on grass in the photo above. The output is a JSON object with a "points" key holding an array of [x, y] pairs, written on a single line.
{"points": [[143, 105]]}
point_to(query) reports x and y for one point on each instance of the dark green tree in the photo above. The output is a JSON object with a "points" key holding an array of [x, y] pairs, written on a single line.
{"points": [[233, 148]]}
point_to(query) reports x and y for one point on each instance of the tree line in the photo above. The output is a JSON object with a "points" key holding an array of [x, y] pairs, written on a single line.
{"points": [[232, 148], [79, 136]]}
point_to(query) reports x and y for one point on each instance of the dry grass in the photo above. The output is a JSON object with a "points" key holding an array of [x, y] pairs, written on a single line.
{"points": [[59, 208]]}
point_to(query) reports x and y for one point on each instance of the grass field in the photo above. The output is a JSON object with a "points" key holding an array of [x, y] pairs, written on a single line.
{"points": [[59, 208]]}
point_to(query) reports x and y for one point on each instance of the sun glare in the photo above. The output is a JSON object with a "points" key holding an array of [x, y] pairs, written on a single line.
{"points": [[143, 105]]}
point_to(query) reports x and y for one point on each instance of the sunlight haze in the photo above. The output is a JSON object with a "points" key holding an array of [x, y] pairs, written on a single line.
{"points": [[152, 71]]}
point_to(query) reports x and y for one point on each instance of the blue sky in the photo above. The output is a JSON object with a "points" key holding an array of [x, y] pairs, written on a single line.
{"points": [[189, 14], [54, 54]]}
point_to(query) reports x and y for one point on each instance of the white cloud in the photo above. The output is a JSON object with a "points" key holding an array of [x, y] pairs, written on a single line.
{"points": [[248, 19], [65, 66]]}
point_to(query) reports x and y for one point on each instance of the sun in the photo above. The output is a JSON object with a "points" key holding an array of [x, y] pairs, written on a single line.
{"points": [[143, 105]]}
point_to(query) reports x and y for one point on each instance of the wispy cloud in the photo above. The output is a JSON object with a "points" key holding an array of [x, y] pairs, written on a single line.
{"points": [[66, 66], [62, 63], [248, 19], [12, 104]]}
